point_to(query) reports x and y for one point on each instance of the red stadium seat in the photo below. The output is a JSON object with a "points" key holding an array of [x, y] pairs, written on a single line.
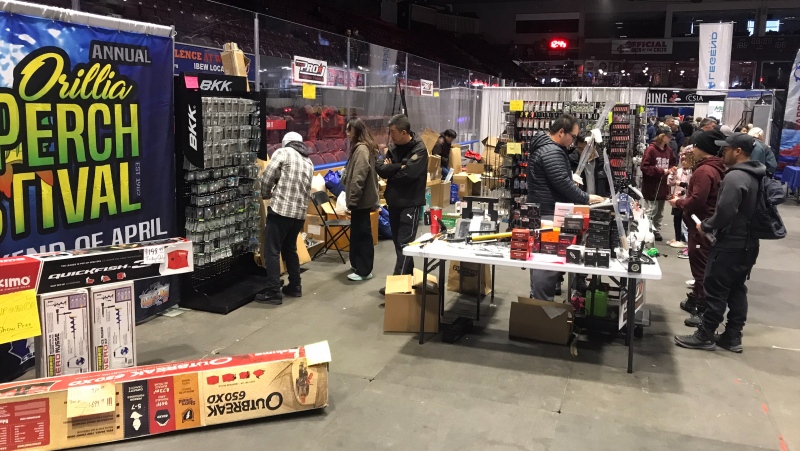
{"points": [[310, 146], [321, 146], [316, 160], [328, 158], [340, 156], [341, 145]]}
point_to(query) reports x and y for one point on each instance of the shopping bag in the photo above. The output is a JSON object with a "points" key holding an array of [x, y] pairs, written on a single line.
{"points": [[463, 278], [341, 204], [317, 183]]}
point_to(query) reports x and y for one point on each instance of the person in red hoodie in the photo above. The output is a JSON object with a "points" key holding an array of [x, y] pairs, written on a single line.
{"points": [[657, 163], [700, 200]]}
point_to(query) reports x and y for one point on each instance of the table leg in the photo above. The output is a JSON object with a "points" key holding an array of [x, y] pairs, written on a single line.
{"points": [[493, 268], [478, 297], [424, 298], [631, 320], [442, 287]]}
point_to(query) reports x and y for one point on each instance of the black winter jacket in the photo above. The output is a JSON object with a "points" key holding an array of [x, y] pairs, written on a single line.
{"points": [[550, 177], [736, 204], [406, 176]]}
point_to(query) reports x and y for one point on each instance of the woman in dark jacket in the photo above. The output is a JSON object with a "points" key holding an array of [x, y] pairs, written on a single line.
{"points": [[361, 191]]}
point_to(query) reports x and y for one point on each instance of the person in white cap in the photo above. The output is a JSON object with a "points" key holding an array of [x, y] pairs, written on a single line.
{"points": [[762, 152], [286, 181]]}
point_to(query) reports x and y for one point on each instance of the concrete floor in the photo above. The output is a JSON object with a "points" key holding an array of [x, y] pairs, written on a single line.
{"points": [[486, 392]]}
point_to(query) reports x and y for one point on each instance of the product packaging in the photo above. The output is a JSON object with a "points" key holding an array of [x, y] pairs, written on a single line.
{"points": [[63, 347], [113, 327]]}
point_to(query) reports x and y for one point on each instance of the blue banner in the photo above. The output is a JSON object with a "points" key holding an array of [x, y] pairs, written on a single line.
{"points": [[193, 58], [86, 136]]}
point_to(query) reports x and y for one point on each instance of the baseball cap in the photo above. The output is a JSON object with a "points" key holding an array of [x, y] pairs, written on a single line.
{"points": [[726, 130], [707, 141], [742, 140], [664, 131]]}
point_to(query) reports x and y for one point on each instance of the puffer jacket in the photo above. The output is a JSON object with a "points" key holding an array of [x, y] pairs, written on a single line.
{"points": [[550, 177], [360, 180]]}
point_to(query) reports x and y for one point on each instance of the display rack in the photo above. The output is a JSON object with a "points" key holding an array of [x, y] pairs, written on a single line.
{"points": [[218, 141]]}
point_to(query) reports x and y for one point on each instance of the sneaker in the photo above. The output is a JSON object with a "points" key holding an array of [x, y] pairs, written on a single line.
{"points": [[684, 254], [295, 292], [698, 340], [690, 283], [355, 277], [694, 321], [690, 304], [677, 244], [658, 236], [729, 342], [382, 291], [558, 290], [272, 299]]}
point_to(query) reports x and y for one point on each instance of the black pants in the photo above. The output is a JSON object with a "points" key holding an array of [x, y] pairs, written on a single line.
{"points": [[726, 274], [281, 240], [404, 222], [699, 250], [677, 224], [362, 253]]}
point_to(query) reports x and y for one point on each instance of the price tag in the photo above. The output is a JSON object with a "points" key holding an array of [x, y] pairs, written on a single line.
{"points": [[309, 91], [91, 400], [154, 255], [513, 149], [516, 105], [19, 316]]}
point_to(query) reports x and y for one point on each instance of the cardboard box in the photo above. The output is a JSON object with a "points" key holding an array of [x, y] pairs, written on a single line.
{"points": [[474, 168], [403, 303], [234, 62], [455, 158], [489, 156], [541, 320], [435, 167], [113, 320], [439, 194], [63, 347], [429, 138], [88, 409], [468, 184]]}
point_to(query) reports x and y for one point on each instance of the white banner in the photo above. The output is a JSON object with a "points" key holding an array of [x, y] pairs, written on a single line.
{"points": [[426, 87], [790, 136], [307, 70], [715, 55], [641, 46]]}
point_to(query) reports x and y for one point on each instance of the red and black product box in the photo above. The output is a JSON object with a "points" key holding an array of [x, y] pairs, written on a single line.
{"points": [[549, 248]]}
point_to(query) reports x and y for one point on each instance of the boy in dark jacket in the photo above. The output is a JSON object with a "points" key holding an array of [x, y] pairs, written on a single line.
{"points": [[735, 250], [550, 181], [657, 162], [404, 168], [700, 200]]}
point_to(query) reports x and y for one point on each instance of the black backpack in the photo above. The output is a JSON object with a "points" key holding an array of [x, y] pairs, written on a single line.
{"points": [[766, 222]]}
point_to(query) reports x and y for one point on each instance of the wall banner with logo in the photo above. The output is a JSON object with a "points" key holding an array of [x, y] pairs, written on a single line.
{"points": [[715, 55], [426, 88], [337, 76], [193, 58], [672, 97], [307, 70], [86, 136], [790, 136], [641, 46]]}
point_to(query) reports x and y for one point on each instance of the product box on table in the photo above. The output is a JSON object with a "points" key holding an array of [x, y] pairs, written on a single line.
{"points": [[63, 347], [520, 254], [521, 245], [541, 320], [520, 234], [573, 222], [575, 254], [562, 210], [603, 258], [590, 256], [530, 210], [113, 318], [549, 248], [403, 303], [86, 409]]}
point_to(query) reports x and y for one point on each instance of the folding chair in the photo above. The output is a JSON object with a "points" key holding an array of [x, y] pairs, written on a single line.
{"points": [[321, 198]]}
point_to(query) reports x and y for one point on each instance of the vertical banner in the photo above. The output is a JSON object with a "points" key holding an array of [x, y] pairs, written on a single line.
{"points": [[790, 135], [86, 136], [715, 55]]}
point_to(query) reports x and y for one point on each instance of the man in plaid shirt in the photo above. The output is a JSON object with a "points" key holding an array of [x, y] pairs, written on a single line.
{"points": [[286, 181]]}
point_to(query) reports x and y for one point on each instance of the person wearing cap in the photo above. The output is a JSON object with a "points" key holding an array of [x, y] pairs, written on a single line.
{"points": [[706, 124], [657, 163], [735, 251], [286, 181], [701, 201], [762, 152]]}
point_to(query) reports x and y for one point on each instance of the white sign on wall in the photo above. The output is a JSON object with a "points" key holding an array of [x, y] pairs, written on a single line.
{"points": [[715, 55], [426, 87], [307, 70]]}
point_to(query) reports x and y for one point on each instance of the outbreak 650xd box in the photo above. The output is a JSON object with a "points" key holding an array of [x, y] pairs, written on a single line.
{"points": [[106, 406], [112, 331], [63, 347]]}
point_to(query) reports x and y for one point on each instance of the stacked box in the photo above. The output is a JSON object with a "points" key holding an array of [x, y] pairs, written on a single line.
{"points": [[575, 254], [566, 240], [573, 223], [590, 257], [63, 347], [521, 244], [530, 216], [113, 320]]}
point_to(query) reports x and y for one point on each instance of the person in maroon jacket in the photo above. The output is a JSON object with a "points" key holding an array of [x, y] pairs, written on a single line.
{"points": [[700, 200], [657, 163]]}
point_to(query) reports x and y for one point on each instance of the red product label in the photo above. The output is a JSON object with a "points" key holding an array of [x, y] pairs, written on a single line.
{"points": [[275, 124], [520, 245], [520, 234], [162, 405], [18, 274], [520, 255], [24, 424]]}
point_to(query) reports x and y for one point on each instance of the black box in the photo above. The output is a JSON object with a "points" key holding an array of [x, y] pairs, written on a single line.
{"points": [[575, 254], [530, 210], [596, 214], [590, 257], [573, 222], [549, 248], [603, 258]]}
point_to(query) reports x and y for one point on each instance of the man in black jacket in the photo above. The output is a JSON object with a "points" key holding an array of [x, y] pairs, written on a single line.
{"points": [[550, 181], [735, 251], [404, 168]]}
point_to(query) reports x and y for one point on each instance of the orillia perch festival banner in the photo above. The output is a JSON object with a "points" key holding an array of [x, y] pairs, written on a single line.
{"points": [[86, 136]]}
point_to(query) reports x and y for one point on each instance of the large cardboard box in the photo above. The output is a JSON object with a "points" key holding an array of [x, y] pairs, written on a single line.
{"points": [[474, 168], [468, 184], [403, 303], [434, 168], [463, 278], [429, 138], [541, 320], [113, 333], [63, 347], [455, 158], [489, 156], [440, 194], [106, 406]]}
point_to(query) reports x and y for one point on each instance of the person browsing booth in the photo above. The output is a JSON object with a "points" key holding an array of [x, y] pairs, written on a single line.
{"points": [[735, 251]]}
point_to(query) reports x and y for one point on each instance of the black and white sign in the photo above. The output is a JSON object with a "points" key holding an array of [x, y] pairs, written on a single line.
{"points": [[426, 88], [307, 70], [641, 46], [672, 97]]}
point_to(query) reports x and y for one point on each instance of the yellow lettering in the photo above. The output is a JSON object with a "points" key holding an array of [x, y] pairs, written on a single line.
{"points": [[13, 120], [103, 183], [31, 68], [20, 204], [93, 131], [75, 135], [36, 135]]}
